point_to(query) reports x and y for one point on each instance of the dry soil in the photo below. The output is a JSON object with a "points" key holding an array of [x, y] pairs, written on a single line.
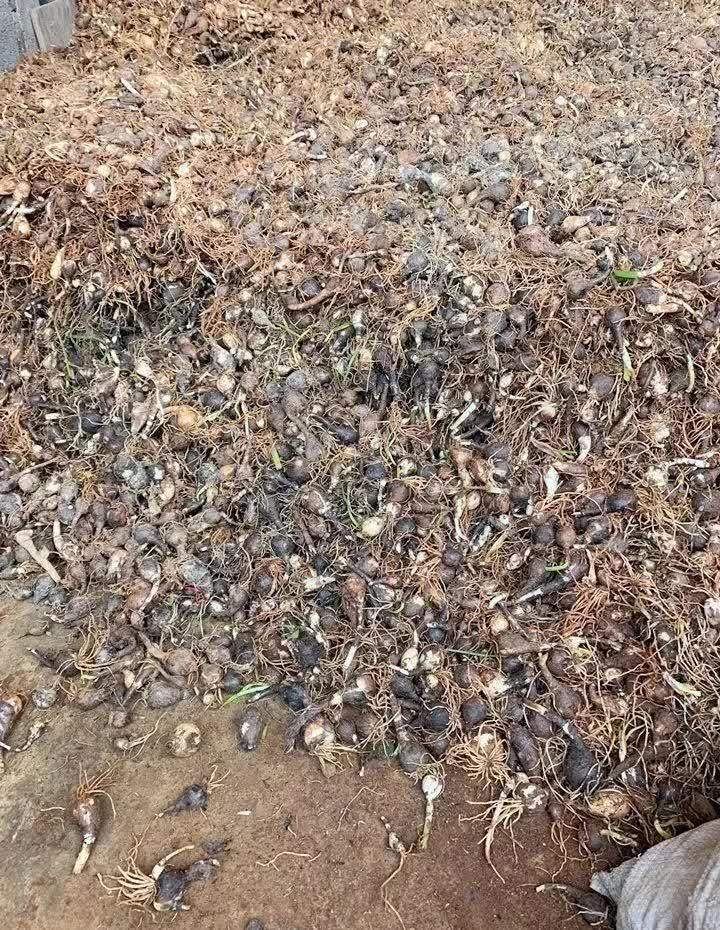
{"points": [[306, 852]]}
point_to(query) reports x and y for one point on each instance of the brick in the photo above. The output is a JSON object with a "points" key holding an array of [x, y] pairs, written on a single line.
{"points": [[28, 37], [9, 40], [53, 24]]}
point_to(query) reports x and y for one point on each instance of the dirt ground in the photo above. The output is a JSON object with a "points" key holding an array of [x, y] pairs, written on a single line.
{"points": [[326, 836]]}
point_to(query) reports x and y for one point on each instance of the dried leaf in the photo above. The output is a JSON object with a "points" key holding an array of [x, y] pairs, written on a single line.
{"points": [[552, 482], [56, 267]]}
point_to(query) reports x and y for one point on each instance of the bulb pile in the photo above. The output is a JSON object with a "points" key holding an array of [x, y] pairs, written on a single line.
{"points": [[375, 373]]}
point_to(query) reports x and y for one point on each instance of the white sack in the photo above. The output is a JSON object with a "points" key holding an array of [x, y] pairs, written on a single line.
{"points": [[673, 886]]}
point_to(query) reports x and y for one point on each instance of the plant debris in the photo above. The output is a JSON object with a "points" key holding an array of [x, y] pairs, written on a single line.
{"points": [[185, 740], [10, 708], [196, 796], [87, 815], [193, 798], [432, 788], [373, 368], [591, 906], [251, 728], [165, 887]]}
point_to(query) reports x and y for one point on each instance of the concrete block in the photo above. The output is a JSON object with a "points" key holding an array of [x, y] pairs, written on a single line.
{"points": [[53, 24], [9, 40], [28, 37]]}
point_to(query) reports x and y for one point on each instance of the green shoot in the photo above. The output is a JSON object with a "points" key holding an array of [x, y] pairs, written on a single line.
{"points": [[247, 691], [630, 275]]}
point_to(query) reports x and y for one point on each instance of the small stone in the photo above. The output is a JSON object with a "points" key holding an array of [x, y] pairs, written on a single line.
{"points": [[44, 697], [53, 24]]}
